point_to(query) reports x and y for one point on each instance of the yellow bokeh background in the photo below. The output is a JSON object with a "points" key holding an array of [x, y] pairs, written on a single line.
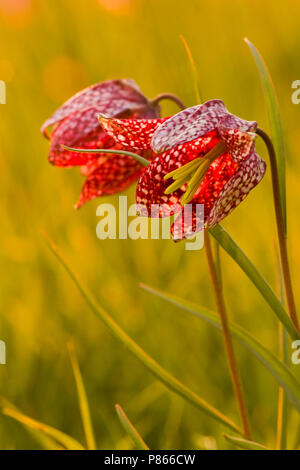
{"points": [[48, 51]]}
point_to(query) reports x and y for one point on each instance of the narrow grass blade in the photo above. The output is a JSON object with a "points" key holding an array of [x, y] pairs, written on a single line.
{"points": [[194, 70], [83, 401], [66, 441], [46, 442], [244, 444], [136, 157], [157, 370], [274, 120], [280, 371], [130, 429], [229, 245]]}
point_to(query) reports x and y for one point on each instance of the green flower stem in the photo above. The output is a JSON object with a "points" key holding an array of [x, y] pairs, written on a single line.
{"points": [[232, 363], [282, 409], [168, 96], [137, 157], [273, 114], [280, 229]]}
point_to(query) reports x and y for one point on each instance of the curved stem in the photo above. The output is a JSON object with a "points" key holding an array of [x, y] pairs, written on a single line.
{"points": [[137, 157], [168, 96], [236, 381], [282, 408], [280, 229]]}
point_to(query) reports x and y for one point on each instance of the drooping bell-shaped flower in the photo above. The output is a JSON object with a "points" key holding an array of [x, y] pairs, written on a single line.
{"points": [[207, 156], [75, 124]]}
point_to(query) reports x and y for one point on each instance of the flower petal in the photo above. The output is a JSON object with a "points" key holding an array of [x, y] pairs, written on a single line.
{"points": [[238, 143], [238, 135], [113, 175], [189, 222], [195, 122], [216, 177], [188, 125], [133, 133], [151, 187], [73, 133], [113, 97], [249, 174]]}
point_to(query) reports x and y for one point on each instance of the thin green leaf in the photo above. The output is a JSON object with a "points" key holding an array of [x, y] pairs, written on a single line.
{"points": [[130, 429], [244, 444], [66, 441], [45, 441], [274, 121], [153, 366], [279, 370], [230, 246], [83, 401], [137, 157], [193, 69]]}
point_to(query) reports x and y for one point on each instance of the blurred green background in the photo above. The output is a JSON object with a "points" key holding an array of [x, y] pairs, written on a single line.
{"points": [[48, 51]]}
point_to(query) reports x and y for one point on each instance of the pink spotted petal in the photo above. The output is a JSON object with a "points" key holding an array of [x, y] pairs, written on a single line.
{"points": [[188, 125], [113, 97], [72, 133], [195, 122], [135, 134], [249, 174], [239, 144]]}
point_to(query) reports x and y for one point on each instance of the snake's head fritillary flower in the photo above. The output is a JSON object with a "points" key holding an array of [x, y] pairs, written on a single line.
{"points": [[207, 156], [75, 124]]}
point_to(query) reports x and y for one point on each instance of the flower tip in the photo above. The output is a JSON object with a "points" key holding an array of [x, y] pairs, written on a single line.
{"points": [[65, 147], [78, 204], [71, 149], [44, 131], [176, 239], [102, 117]]}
